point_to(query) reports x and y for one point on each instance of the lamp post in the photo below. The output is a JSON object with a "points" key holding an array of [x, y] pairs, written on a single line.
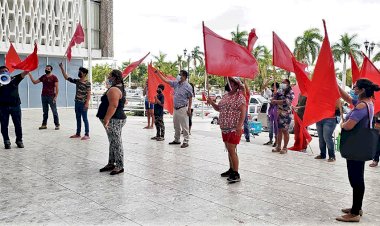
{"points": [[369, 48], [188, 62]]}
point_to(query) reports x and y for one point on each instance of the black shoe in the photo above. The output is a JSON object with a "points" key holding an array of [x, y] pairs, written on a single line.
{"points": [[57, 127], [274, 144], [247, 140], [234, 177], [7, 144], [175, 142], [19, 144], [268, 143], [184, 145], [42, 127], [154, 138], [114, 172], [227, 173], [108, 167]]}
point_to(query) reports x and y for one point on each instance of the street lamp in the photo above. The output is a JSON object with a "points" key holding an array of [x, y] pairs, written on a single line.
{"points": [[369, 48], [188, 62]]}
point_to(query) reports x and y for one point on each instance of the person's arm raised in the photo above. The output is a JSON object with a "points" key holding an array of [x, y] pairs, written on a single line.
{"points": [[345, 96], [163, 78], [63, 71], [32, 79]]}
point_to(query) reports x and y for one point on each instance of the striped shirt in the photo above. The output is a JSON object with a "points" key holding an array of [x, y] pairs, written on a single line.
{"points": [[81, 89]]}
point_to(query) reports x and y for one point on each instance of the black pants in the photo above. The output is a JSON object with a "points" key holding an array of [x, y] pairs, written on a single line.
{"points": [[377, 154], [46, 102], [15, 113], [356, 177], [160, 126]]}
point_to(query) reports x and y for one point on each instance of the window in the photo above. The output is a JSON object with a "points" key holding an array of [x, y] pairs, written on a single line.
{"points": [[253, 101]]}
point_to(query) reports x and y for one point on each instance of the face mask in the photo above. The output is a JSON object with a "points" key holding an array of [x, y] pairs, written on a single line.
{"points": [[159, 91], [353, 95], [80, 74], [283, 86], [178, 77], [47, 72]]}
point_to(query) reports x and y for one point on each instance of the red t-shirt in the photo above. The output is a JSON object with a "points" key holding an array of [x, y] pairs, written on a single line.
{"points": [[48, 85]]}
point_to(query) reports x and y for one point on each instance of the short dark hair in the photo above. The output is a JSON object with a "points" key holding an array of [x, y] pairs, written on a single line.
{"points": [[83, 70], [4, 67], [51, 67], [183, 72], [161, 86]]}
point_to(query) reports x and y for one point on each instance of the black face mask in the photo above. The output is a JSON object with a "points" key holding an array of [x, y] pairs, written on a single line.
{"points": [[159, 91], [80, 75], [227, 88], [47, 72]]}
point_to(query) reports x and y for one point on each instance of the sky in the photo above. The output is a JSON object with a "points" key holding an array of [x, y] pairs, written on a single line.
{"points": [[170, 26]]}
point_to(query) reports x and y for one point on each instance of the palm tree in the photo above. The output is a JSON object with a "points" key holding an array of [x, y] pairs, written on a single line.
{"points": [[197, 55], [159, 60], [344, 47], [240, 37], [377, 55], [308, 45]]}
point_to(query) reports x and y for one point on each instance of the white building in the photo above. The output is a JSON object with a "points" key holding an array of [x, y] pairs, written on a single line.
{"points": [[51, 23]]}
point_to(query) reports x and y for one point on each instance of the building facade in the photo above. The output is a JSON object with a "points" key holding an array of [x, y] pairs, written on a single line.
{"points": [[51, 24]]}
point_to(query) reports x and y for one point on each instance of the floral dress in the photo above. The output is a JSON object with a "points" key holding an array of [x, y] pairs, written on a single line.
{"points": [[284, 109], [229, 111]]}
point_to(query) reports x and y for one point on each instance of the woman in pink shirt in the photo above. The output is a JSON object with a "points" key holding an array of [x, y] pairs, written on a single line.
{"points": [[232, 108]]}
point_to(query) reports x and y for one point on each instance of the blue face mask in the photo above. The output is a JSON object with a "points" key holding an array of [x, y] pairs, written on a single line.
{"points": [[353, 95], [178, 77]]}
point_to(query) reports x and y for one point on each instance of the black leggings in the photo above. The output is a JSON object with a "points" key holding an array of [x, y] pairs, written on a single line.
{"points": [[356, 177]]}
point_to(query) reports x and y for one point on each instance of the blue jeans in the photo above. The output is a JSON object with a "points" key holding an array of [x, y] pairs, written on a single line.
{"points": [[246, 127], [325, 129], [46, 101], [15, 113], [81, 112]]}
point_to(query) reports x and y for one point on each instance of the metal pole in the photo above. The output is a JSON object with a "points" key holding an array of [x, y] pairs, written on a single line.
{"points": [[89, 40]]}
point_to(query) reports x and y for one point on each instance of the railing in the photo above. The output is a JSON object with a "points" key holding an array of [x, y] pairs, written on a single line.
{"points": [[135, 105]]}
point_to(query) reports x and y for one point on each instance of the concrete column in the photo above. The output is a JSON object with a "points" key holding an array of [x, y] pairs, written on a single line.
{"points": [[106, 27]]}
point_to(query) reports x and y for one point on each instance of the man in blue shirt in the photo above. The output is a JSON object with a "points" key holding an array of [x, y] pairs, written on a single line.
{"points": [[182, 107]]}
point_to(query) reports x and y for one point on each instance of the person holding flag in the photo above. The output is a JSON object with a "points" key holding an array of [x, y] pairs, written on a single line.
{"points": [[232, 108], [10, 106], [183, 95], [82, 100]]}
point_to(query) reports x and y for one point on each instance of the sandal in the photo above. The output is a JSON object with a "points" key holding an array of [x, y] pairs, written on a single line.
{"points": [[276, 150], [374, 164], [284, 151]]}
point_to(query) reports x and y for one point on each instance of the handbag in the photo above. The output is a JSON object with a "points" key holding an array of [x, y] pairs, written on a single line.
{"points": [[359, 144]]}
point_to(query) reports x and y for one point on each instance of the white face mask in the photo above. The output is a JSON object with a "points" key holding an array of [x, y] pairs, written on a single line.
{"points": [[283, 86], [178, 77]]}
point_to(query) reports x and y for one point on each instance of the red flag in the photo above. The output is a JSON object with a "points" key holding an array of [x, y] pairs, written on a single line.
{"points": [[303, 80], [282, 56], [323, 92], [11, 58], [78, 38], [153, 82], [252, 38], [355, 70], [227, 58], [296, 91], [301, 135], [370, 72], [30, 63], [132, 66]]}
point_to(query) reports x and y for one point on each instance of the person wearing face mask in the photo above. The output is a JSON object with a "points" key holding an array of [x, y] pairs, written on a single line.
{"points": [[113, 118], [283, 101], [159, 101], [48, 96], [183, 95], [10, 106], [82, 100], [361, 116], [232, 111]]}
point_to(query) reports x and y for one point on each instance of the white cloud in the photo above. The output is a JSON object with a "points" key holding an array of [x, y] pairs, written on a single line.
{"points": [[170, 26]]}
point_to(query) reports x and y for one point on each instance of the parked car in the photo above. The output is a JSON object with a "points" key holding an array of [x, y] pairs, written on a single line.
{"points": [[252, 114], [257, 99]]}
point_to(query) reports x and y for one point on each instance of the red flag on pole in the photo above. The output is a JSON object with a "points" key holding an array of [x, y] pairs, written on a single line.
{"points": [[78, 38], [11, 58], [153, 82], [370, 72], [303, 80], [282, 56], [227, 58], [355, 70], [30, 63], [296, 91], [301, 135], [323, 92], [132, 66], [252, 38]]}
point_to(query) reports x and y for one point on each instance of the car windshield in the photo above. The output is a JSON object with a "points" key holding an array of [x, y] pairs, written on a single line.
{"points": [[261, 99]]}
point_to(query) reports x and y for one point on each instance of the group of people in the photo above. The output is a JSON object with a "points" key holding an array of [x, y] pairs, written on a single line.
{"points": [[233, 114]]}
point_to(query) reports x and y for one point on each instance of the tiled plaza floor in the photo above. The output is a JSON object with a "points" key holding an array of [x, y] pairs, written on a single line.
{"points": [[56, 180]]}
